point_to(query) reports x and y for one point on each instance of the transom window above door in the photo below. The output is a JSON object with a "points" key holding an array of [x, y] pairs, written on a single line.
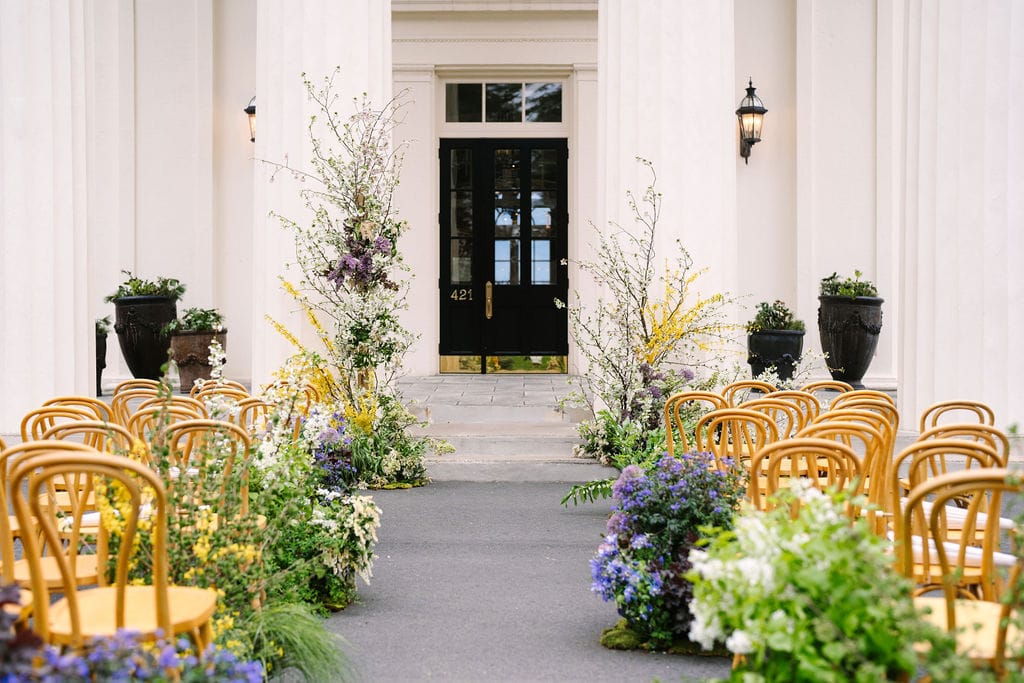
{"points": [[503, 102]]}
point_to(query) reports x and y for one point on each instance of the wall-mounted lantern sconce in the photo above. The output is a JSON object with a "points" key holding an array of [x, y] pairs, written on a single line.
{"points": [[251, 111], [751, 115]]}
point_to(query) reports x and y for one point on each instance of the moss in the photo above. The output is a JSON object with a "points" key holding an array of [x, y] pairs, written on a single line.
{"points": [[622, 637]]}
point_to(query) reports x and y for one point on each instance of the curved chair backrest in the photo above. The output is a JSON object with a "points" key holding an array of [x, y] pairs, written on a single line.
{"points": [[674, 422], [125, 402], [140, 383], [233, 393], [859, 394], [745, 390], [734, 435], [253, 414], [39, 475], [148, 423], [787, 416], [108, 437], [808, 403], [973, 431], [194, 444], [827, 385], [823, 463], [877, 405], [36, 421], [221, 384], [956, 411], [100, 408], [186, 402], [977, 495]]}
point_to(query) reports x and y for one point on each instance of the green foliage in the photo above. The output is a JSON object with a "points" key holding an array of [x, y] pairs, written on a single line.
{"points": [[811, 598], [774, 316], [197, 320], [294, 637], [589, 492], [136, 286], [833, 285]]}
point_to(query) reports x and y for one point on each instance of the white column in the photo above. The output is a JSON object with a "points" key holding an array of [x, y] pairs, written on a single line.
{"points": [[46, 337], [961, 281], [666, 93], [311, 37]]}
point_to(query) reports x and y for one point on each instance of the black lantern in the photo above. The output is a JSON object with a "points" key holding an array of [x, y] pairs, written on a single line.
{"points": [[751, 115], [251, 111]]}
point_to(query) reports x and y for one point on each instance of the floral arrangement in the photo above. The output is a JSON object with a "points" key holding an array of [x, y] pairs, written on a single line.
{"points": [[774, 316], [136, 286], [811, 598], [833, 285], [198, 320], [657, 517]]}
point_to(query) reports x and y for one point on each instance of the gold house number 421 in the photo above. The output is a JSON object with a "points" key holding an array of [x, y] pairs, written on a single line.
{"points": [[461, 295]]}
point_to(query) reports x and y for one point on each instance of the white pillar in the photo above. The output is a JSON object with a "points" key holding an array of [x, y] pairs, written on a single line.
{"points": [[666, 93], [961, 275], [46, 337], [311, 37]]}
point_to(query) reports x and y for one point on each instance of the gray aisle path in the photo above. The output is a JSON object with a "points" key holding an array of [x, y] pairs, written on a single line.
{"points": [[489, 581]]}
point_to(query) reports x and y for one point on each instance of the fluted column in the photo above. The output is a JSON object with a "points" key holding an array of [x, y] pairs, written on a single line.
{"points": [[962, 174], [666, 93], [311, 37]]}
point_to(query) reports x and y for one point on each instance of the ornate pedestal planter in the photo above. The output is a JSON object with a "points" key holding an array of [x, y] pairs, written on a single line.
{"points": [[140, 323], [849, 328], [191, 353], [779, 348]]}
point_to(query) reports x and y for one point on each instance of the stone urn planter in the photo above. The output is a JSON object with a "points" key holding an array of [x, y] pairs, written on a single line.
{"points": [[140, 323], [849, 329], [849, 322], [775, 339], [190, 351]]}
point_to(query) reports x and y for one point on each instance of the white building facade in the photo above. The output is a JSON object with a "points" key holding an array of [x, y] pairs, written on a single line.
{"points": [[889, 147]]}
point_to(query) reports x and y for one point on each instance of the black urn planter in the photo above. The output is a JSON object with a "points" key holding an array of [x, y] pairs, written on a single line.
{"points": [[139, 322], [849, 329], [101, 360], [779, 348]]}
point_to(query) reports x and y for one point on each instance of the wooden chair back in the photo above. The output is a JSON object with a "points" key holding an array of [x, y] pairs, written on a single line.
{"points": [[194, 444], [703, 401], [125, 402], [186, 402], [148, 423], [38, 475], [823, 463], [832, 385], [787, 416], [36, 421], [253, 414], [734, 435], [973, 431], [108, 437], [102, 410], [219, 384], [141, 383], [808, 403], [745, 390], [956, 411]]}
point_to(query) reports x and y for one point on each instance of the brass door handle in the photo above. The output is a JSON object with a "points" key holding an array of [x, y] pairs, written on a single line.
{"points": [[488, 300]]}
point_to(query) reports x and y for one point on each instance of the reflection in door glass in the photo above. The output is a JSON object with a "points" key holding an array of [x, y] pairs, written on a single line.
{"points": [[462, 214], [506, 262], [462, 102], [462, 169], [506, 214], [544, 102], [544, 169], [506, 169], [462, 262], [540, 263], [543, 213], [504, 102]]}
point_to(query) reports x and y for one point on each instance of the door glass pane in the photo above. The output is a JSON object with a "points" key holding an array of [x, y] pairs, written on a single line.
{"points": [[462, 214], [462, 169], [506, 169], [544, 169], [462, 262], [462, 102], [506, 214], [543, 213], [544, 102], [504, 102], [541, 268], [506, 262]]}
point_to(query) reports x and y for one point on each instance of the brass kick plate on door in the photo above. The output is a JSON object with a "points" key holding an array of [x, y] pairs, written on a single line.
{"points": [[488, 299]]}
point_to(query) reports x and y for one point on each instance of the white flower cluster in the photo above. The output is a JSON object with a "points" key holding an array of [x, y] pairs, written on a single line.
{"points": [[353, 524]]}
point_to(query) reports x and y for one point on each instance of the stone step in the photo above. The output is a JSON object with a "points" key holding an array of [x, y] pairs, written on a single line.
{"points": [[510, 441], [442, 413]]}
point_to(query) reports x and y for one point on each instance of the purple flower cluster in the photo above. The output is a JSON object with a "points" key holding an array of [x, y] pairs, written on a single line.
{"points": [[656, 519], [332, 458], [357, 265]]}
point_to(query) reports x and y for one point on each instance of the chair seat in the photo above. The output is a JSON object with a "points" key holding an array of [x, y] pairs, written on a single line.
{"points": [[86, 572], [977, 623], [23, 608], [190, 607]]}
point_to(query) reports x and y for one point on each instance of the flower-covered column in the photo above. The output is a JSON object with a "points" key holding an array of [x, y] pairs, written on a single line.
{"points": [[312, 38]]}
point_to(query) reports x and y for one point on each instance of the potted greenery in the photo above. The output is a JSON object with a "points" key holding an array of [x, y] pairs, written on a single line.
{"points": [[774, 339], [142, 309], [849, 322], [102, 330], [191, 335]]}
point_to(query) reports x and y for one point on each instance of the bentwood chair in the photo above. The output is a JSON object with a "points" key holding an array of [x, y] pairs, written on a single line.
{"points": [[973, 431], [124, 402], [787, 416], [78, 615], [253, 415], [984, 628], [733, 435], [956, 411], [827, 385], [102, 410], [148, 423], [36, 421], [108, 437], [687, 404], [745, 390], [860, 394], [197, 446], [823, 463], [219, 385]]}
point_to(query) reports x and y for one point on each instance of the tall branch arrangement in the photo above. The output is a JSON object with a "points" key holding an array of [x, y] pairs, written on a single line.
{"points": [[647, 324], [352, 272]]}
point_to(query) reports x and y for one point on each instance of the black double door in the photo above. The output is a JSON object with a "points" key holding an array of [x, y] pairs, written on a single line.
{"points": [[503, 243]]}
